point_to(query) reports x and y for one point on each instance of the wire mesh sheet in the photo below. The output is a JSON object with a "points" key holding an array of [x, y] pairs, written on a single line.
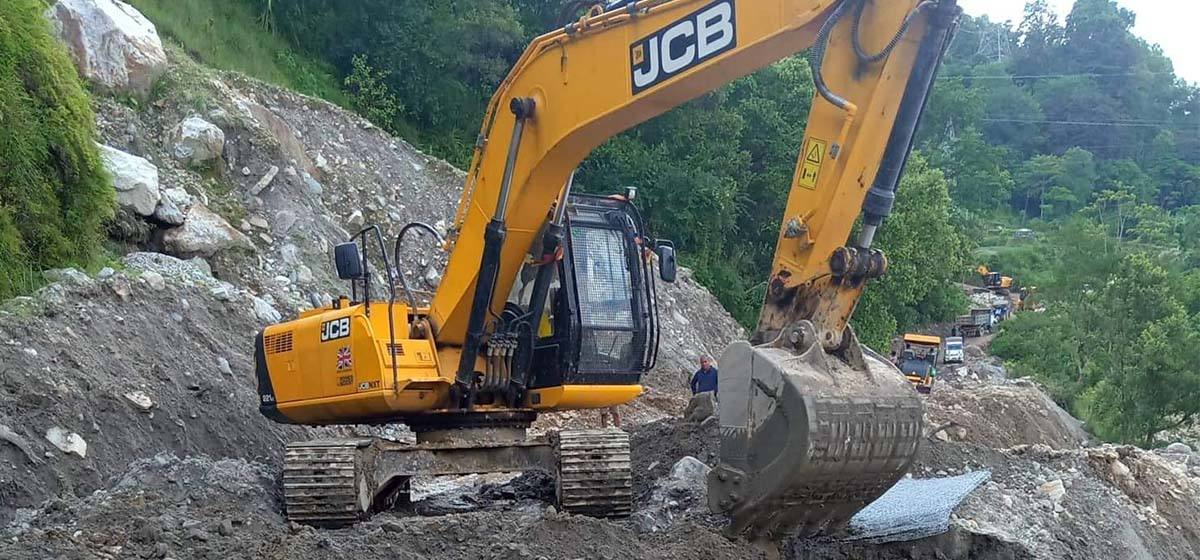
{"points": [[914, 508]]}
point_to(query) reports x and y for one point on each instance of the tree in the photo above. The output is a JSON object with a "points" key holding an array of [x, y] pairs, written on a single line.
{"points": [[925, 252]]}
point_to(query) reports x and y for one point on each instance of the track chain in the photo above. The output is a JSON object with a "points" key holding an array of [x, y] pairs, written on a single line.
{"points": [[594, 475], [323, 483]]}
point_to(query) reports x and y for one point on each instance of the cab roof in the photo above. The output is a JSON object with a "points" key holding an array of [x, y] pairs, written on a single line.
{"points": [[922, 339]]}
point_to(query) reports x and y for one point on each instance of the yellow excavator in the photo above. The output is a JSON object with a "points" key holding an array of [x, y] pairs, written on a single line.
{"points": [[548, 300], [994, 281]]}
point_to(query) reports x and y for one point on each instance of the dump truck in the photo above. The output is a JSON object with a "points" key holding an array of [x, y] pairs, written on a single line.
{"points": [[974, 323], [918, 360]]}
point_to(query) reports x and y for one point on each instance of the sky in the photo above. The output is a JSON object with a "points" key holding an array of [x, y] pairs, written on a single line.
{"points": [[1170, 23]]}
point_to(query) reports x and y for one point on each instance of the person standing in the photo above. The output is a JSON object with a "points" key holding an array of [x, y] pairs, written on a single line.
{"points": [[705, 378]]}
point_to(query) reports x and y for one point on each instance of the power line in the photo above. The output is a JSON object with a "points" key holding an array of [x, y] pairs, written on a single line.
{"points": [[1145, 124], [1036, 76]]}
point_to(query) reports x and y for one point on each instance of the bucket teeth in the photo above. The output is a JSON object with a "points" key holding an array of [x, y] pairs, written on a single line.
{"points": [[808, 440]]}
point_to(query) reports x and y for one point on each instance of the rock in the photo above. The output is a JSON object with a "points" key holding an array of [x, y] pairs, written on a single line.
{"points": [[105, 273], [1054, 489], [304, 275], [311, 184], [321, 163], [67, 442], [68, 276], [154, 280], [1179, 447], [700, 407], [265, 312], [204, 233], [356, 219], [168, 213], [258, 222], [246, 171], [226, 528], [265, 181], [197, 141], [433, 276], [201, 265], [135, 179], [7, 434], [111, 43], [266, 238], [223, 366], [140, 400]]}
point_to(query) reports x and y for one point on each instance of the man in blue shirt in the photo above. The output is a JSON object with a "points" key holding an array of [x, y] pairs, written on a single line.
{"points": [[705, 378]]}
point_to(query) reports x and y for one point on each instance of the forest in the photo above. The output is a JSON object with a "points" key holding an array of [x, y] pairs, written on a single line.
{"points": [[1072, 127]]}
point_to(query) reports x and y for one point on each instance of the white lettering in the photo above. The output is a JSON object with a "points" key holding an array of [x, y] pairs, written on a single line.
{"points": [[672, 65], [643, 77], [716, 29]]}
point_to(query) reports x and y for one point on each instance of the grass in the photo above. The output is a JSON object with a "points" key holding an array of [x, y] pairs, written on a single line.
{"points": [[227, 35]]}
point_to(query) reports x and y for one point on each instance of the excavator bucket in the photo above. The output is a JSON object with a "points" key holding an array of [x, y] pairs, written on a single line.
{"points": [[808, 438]]}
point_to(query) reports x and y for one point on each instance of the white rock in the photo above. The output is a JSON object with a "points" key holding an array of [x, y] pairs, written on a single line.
{"points": [[204, 233], [321, 163], [259, 222], [433, 276], [1054, 489], [312, 184], [140, 400], [31, 352], [111, 43], [356, 219], [179, 197], [154, 280], [197, 141], [135, 179], [67, 442], [245, 171], [1179, 447], [265, 181], [265, 312], [223, 366], [304, 275]]}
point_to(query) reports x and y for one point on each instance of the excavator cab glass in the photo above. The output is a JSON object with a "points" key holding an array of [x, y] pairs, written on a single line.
{"points": [[605, 318]]}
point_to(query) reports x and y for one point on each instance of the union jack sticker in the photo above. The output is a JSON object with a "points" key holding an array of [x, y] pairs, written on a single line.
{"points": [[344, 361]]}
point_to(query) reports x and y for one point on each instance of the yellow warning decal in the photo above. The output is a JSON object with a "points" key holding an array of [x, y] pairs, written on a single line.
{"points": [[809, 169]]}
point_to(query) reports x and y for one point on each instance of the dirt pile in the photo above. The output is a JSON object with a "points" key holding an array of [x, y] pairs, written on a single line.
{"points": [[1000, 415]]}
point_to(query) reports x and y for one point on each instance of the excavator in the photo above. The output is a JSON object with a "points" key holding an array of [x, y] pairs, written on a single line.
{"points": [[994, 281], [548, 300]]}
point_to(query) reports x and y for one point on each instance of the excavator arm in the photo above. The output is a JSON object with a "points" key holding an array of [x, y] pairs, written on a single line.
{"points": [[813, 426], [577, 87]]}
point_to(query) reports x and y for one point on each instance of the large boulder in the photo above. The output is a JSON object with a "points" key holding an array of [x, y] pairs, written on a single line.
{"points": [[135, 179], [203, 233], [197, 141], [111, 43]]}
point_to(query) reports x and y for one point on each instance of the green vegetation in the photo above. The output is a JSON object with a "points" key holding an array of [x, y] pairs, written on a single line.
{"points": [[54, 195], [228, 35], [1075, 129]]}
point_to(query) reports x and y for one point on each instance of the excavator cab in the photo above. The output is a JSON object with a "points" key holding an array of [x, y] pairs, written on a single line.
{"points": [[601, 326]]}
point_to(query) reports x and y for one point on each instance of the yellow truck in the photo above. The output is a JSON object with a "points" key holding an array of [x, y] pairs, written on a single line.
{"points": [[918, 360]]}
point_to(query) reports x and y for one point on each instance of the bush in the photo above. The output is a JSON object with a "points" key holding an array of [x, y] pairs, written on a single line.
{"points": [[54, 194]]}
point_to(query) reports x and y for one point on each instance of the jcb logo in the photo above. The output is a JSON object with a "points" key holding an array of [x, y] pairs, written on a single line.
{"points": [[690, 41], [335, 329]]}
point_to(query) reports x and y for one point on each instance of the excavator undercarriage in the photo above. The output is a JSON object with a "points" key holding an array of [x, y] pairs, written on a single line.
{"points": [[338, 482]]}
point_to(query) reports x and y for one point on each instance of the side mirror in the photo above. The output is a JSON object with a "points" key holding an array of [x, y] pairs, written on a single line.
{"points": [[667, 267], [347, 261]]}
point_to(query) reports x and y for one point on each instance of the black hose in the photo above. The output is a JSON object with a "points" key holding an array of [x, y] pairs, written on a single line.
{"points": [[412, 300]]}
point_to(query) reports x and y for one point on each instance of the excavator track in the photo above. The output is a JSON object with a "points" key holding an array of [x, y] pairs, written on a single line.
{"points": [[594, 475], [324, 484]]}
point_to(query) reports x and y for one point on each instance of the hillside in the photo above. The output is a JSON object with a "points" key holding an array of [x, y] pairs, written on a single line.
{"points": [[128, 412]]}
